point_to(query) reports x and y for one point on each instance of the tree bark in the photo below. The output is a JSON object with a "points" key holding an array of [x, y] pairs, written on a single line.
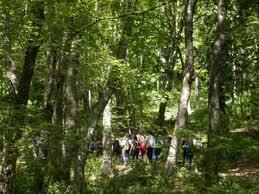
{"points": [[189, 107], [197, 89], [87, 101], [57, 99], [215, 85], [161, 113], [107, 119], [182, 116], [54, 99], [41, 166], [72, 119]]}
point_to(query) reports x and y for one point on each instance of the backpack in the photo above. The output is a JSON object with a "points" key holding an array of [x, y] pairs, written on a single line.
{"points": [[154, 155], [116, 146], [91, 147]]}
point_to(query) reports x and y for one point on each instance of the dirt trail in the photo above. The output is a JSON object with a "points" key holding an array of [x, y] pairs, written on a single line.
{"points": [[244, 169]]}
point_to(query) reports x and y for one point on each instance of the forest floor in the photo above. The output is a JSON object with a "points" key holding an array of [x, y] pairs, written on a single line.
{"points": [[246, 144], [244, 169]]}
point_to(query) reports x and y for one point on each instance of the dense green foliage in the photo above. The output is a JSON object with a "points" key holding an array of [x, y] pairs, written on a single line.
{"points": [[126, 46]]}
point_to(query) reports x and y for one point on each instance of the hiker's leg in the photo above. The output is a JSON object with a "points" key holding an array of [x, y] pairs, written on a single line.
{"points": [[191, 159], [123, 156], [126, 156], [152, 154], [148, 153], [184, 156]]}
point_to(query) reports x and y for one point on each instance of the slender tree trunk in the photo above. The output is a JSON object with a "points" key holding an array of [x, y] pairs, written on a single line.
{"points": [[189, 107], [60, 100], [234, 89], [71, 120], [54, 115], [41, 149], [215, 110], [40, 167], [257, 6], [242, 95], [181, 121], [107, 118], [54, 102], [87, 101], [161, 113], [197, 89]]}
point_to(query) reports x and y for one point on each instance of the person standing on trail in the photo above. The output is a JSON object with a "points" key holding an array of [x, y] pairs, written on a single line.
{"points": [[142, 147], [125, 149], [150, 147], [133, 148], [117, 149], [187, 153]]}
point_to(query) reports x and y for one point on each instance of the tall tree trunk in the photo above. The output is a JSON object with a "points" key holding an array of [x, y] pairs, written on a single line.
{"points": [[54, 115], [40, 167], [257, 6], [215, 85], [181, 121], [234, 89], [161, 113], [87, 101], [19, 103], [107, 119], [189, 107], [40, 147], [197, 88], [71, 120], [59, 100]]}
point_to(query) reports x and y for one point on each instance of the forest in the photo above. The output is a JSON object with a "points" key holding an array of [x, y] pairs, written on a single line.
{"points": [[129, 96]]}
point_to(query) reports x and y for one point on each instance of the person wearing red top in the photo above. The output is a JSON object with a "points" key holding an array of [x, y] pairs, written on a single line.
{"points": [[142, 147]]}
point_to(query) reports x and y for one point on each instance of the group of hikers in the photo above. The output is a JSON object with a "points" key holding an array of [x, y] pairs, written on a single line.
{"points": [[137, 147], [134, 147]]}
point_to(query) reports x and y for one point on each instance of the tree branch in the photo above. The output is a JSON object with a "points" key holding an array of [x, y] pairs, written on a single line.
{"points": [[180, 56], [135, 12], [198, 73], [131, 14]]}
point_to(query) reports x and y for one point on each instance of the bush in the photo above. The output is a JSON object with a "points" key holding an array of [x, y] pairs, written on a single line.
{"points": [[59, 188], [235, 185]]}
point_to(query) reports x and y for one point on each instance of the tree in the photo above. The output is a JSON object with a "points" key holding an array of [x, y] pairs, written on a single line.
{"points": [[182, 116], [215, 89], [107, 118], [168, 56]]}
